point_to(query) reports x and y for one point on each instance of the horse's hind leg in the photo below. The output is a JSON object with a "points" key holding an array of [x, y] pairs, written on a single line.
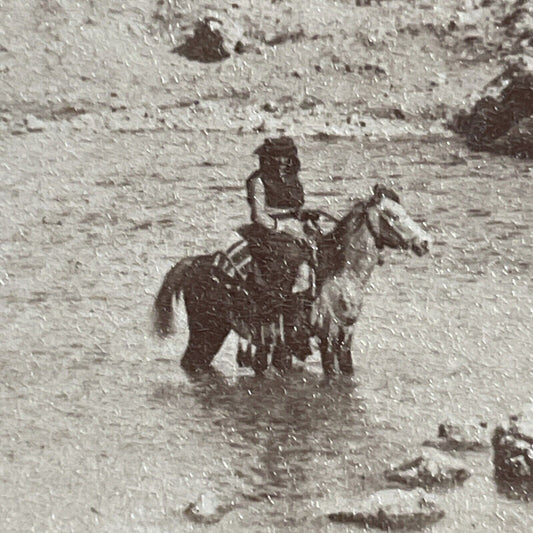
{"points": [[204, 343]]}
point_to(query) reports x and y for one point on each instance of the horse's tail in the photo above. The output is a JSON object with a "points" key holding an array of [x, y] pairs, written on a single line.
{"points": [[172, 285]]}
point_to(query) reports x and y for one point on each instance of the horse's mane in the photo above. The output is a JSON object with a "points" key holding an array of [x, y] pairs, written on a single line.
{"points": [[332, 245], [358, 208], [385, 191], [338, 232]]}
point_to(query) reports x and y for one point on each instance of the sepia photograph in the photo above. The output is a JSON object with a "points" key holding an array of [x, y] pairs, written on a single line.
{"points": [[266, 266]]}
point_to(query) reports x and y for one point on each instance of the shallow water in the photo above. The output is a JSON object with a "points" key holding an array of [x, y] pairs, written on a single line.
{"points": [[102, 431]]}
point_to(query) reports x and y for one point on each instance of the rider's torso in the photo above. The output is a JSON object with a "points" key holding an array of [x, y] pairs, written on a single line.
{"points": [[283, 194]]}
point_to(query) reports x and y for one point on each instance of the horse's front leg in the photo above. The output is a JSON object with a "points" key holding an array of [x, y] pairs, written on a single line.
{"points": [[336, 345], [327, 357], [344, 353], [329, 343]]}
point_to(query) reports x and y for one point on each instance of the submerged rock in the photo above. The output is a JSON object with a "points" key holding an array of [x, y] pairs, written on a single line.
{"points": [[206, 509], [430, 468], [393, 509], [513, 454], [468, 437]]}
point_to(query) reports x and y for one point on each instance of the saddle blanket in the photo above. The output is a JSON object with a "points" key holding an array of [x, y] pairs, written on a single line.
{"points": [[236, 261]]}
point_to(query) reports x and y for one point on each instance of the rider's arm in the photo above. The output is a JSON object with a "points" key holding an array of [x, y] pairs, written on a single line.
{"points": [[273, 211], [256, 197]]}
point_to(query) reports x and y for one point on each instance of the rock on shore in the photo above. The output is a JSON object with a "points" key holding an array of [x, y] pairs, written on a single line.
{"points": [[502, 124], [393, 509], [513, 454]]}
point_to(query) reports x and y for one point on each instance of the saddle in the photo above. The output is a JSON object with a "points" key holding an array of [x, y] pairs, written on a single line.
{"points": [[238, 263]]}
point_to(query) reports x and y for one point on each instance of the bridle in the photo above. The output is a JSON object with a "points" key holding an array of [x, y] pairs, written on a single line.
{"points": [[365, 219], [378, 239], [362, 217]]}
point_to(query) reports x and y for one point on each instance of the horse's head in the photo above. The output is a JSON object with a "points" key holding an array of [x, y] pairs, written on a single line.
{"points": [[390, 224]]}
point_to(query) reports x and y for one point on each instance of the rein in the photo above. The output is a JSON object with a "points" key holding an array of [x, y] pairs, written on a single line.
{"points": [[325, 214], [350, 223], [363, 218]]}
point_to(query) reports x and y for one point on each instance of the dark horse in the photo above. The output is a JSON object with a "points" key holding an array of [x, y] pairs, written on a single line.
{"points": [[346, 258]]}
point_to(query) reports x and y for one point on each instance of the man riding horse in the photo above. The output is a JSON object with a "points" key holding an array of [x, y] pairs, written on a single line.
{"points": [[218, 301], [282, 235]]}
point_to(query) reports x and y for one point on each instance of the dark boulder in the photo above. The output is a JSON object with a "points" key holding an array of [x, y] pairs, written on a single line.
{"points": [[518, 141], [488, 121], [513, 455], [501, 124], [310, 102], [517, 97], [206, 44]]}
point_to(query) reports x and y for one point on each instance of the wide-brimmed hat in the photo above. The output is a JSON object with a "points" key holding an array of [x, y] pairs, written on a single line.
{"points": [[277, 147]]}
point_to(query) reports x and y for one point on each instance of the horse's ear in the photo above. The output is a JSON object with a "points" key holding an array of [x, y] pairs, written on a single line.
{"points": [[380, 191], [377, 192]]}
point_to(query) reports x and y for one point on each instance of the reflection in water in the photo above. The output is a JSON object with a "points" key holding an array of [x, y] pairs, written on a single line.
{"points": [[285, 430]]}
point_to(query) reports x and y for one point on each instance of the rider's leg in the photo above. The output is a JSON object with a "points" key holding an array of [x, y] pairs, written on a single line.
{"points": [[301, 248]]}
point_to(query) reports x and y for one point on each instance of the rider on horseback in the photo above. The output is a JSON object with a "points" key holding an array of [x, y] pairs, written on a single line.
{"points": [[281, 240], [281, 237]]}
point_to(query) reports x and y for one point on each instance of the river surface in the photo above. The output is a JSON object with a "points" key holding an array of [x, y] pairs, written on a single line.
{"points": [[102, 431]]}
